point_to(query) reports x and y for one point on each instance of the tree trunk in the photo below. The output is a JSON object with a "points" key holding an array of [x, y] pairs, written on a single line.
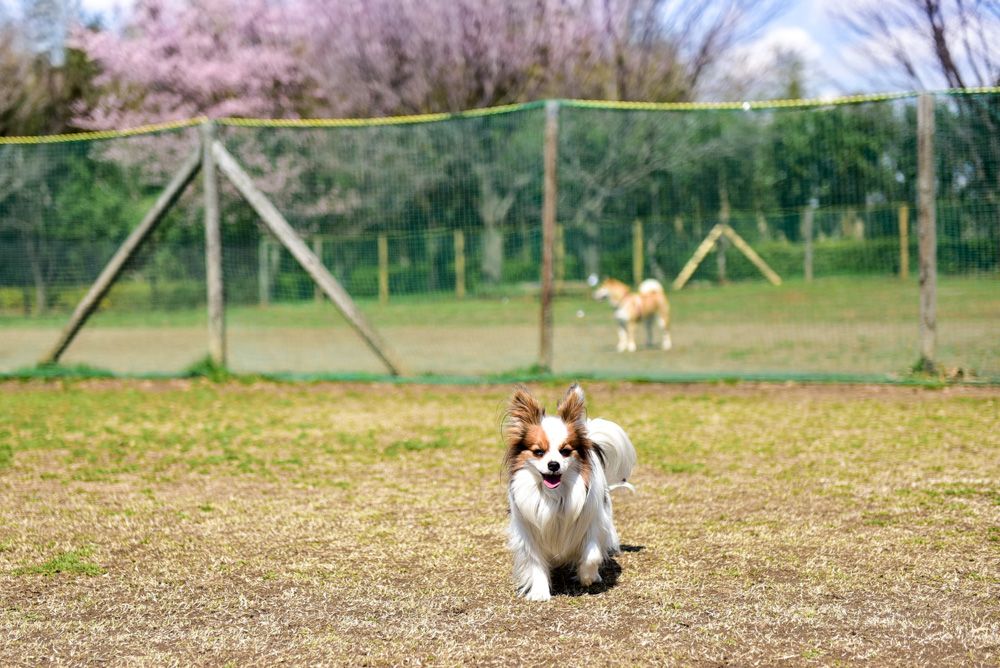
{"points": [[492, 263], [586, 220], [493, 211], [591, 248]]}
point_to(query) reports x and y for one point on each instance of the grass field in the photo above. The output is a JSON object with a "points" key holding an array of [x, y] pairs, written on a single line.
{"points": [[187, 523], [835, 325]]}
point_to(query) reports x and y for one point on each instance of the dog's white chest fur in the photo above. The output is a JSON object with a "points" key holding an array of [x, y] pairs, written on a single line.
{"points": [[557, 520]]}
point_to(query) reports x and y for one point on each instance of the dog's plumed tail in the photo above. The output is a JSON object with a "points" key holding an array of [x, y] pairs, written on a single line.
{"points": [[617, 449], [650, 286]]}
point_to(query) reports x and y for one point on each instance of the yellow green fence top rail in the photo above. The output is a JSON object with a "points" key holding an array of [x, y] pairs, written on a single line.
{"points": [[105, 134], [748, 105]]}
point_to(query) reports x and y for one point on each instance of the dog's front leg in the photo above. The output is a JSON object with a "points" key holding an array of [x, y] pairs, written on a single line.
{"points": [[531, 572], [532, 576], [537, 586], [588, 570]]}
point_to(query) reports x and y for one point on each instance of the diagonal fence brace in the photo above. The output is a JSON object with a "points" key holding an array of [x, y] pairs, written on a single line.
{"points": [[281, 229], [100, 288]]}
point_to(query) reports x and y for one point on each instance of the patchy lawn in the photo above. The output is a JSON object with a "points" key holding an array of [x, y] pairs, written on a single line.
{"points": [[176, 522]]}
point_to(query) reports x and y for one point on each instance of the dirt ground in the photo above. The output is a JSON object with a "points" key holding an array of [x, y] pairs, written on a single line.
{"points": [[187, 523], [470, 350]]}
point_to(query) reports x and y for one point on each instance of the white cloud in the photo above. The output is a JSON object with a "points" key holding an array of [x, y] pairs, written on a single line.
{"points": [[760, 69], [793, 39]]}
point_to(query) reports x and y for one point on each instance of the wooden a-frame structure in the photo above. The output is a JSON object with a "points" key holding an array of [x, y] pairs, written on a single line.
{"points": [[210, 157], [710, 242]]}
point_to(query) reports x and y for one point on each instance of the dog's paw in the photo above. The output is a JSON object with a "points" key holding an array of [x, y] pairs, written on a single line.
{"points": [[538, 594], [588, 574]]}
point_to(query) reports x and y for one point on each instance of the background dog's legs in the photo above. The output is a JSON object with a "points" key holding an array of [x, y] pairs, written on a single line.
{"points": [[665, 324], [631, 336], [649, 332], [622, 336]]}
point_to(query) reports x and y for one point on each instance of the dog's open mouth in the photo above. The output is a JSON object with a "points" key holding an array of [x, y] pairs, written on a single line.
{"points": [[551, 480]]}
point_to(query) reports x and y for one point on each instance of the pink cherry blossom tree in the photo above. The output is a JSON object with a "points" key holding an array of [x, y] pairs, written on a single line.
{"points": [[176, 60]]}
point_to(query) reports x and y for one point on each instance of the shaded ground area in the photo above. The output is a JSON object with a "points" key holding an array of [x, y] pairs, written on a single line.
{"points": [[181, 522]]}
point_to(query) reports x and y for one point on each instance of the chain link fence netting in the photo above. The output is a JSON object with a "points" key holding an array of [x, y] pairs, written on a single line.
{"points": [[433, 226]]}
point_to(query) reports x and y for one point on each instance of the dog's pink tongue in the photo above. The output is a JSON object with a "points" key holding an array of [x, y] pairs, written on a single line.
{"points": [[551, 481]]}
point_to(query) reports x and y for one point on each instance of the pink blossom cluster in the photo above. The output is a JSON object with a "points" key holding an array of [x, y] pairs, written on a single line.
{"points": [[291, 58]]}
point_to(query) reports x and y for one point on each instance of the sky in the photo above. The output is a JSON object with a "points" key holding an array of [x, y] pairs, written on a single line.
{"points": [[809, 28]]}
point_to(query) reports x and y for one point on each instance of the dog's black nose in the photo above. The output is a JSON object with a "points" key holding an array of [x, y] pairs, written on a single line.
{"points": [[553, 466]]}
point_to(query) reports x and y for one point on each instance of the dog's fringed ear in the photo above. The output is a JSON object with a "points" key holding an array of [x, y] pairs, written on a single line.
{"points": [[523, 412], [571, 408]]}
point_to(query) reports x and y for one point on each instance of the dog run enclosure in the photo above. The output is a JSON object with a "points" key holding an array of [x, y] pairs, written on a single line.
{"points": [[797, 239]]}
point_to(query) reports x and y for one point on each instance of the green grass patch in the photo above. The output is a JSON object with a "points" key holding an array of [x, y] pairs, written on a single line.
{"points": [[64, 563]]}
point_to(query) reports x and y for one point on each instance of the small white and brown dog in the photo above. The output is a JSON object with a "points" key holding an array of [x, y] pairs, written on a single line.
{"points": [[562, 469], [649, 304]]}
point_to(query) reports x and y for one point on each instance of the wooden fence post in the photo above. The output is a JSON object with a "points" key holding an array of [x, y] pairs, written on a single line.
{"points": [[808, 216], [460, 264], [927, 231], [551, 193], [559, 258], [213, 250], [383, 269], [637, 252], [904, 242]]}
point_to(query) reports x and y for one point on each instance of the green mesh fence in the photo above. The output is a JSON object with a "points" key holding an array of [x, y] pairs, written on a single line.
{"points": [[434, 227]]}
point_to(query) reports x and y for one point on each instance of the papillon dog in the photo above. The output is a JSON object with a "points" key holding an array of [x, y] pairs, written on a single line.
{"points": [[649, 304], [562, 469]]}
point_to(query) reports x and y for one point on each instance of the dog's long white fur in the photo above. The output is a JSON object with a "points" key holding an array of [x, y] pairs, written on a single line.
{"points": [[619, 453], [572, 525]]}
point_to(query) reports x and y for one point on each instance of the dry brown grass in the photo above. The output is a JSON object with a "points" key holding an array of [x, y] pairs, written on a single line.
{"points": [[364, 525]]}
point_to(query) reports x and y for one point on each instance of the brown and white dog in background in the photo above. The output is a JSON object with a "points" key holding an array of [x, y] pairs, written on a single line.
{"points": [[647, 305]]}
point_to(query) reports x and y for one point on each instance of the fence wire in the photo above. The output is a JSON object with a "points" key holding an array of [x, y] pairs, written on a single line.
{"points": [[434, 228]]}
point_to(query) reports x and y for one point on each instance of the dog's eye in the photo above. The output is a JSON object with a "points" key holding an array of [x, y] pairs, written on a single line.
{"points": [[565, 452], [538, 453]]}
